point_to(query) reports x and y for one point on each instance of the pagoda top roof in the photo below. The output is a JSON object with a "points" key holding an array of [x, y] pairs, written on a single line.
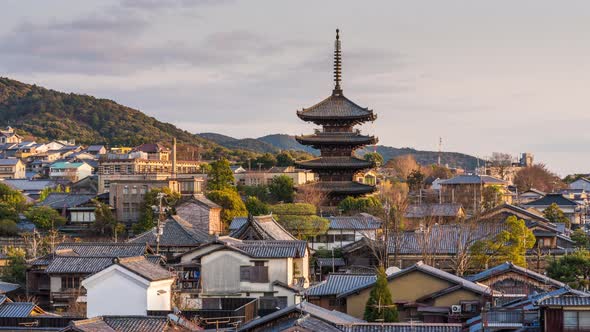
{"points": [[336, 107]]}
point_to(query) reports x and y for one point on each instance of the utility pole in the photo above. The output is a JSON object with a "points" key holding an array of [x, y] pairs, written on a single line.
{"points": [[387, 210], [439, 150], [160, 219]]}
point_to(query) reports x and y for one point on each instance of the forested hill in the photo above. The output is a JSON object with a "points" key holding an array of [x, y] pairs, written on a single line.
{"points": [[48, 114]]}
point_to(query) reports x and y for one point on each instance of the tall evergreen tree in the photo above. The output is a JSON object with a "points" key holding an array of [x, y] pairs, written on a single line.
{"points": [[380, 307], [220, 176]]}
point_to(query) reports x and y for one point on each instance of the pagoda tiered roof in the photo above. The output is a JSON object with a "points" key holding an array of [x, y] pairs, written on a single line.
{"points": [[326, 162], [336, 107], [343, 187], [338, 138]]}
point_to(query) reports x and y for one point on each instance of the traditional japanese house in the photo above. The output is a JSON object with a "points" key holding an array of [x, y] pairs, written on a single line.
{"points": [[259, 228], [337, 141]]}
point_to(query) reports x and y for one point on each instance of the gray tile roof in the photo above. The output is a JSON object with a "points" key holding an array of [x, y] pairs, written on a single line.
{"points": [[136, 324], [101, 249], [16, 309], [264, 228], [401, 327], [333, 317], [335, 162], [361, 221], [472, 179], [9, 162], [339, 283], [549, 199], [310, 323], [509, 266], [566, 301], [337, 261], [144, 268], [177, 232], [433, 210], [300, 246], [237, 222], [30, 185], [65, 200], [443, 239], [84, 265], [6, 287]]}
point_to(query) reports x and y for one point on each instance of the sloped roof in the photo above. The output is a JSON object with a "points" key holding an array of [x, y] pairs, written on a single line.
{"points": [[473, 179], [102, 249], [9, 161], [86, 265], [260, 248], [332, 317], [67, 164], [337, 261], [17, 309], [151, 148], [6, 287], [336, 106], [401, 327], [433, 210], [67, 200], [335, 162], [144, 268], [264, 227], [362, 221], [420, 266], [509, 266], [566, 301], [339, 283], [237, 222], [30, 185], [177, 232], [128, 324], [549, 199], [531, 301]]}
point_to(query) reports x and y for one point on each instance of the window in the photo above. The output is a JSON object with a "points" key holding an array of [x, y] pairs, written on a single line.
{"points": [[576, 320], [125, 190], [143, 190], [70, 282], [334, 302], [255, 273]]}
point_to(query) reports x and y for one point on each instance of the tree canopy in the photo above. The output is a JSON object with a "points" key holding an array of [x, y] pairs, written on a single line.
{"points": [[573, 269], [510, 245], [45, 217], [230, 202], [282, 189], [537, 177], [300, 219], [353, 205], [554, 214], [256, 207], [220, 176]]}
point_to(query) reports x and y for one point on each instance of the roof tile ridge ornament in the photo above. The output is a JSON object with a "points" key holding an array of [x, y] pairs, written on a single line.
{"points": [[337, 65]]}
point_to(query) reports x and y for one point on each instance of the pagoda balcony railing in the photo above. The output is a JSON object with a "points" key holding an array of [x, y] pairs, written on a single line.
{"points": [[336, 133]]}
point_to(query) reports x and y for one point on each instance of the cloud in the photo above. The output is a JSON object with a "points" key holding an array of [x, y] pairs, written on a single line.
{"points": [[169, 4]]}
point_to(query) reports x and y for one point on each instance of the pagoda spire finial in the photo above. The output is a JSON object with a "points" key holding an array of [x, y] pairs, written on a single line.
{"points": [[337, 65]]}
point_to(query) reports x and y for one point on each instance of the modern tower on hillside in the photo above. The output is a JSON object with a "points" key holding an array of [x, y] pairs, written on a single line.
{"points": [[337, 140]]}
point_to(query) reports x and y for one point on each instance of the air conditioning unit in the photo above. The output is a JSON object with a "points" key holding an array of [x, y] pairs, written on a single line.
{"points": [[456, 309]]}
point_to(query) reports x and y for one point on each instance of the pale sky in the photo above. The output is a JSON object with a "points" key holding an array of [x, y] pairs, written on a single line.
{"points": [[509, 76]]}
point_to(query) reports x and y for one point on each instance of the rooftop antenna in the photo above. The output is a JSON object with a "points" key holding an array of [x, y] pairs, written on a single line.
{"points": [[439, 150], [337, 65]]}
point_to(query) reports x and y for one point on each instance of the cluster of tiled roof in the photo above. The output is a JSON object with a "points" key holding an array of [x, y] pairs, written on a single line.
{"points": [[126, 324], [549, 199], [361, 221], [10, 309], [566, 301], [101, 249], [509, 266], [260, 228]]}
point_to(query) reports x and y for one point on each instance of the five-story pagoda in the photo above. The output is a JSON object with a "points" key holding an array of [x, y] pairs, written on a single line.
{"points": [[337, 140]]}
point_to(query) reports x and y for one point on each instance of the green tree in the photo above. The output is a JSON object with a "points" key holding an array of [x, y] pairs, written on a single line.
{"points": [[282, 189], [380, 307], [260, 192], [105, 221], [555, 214], [353, 205], [17, 266], [45, 217], [147, 219], [415, 179], [510, 245], [220, 177], [374, 157], [300, 219], [256, 207], [48, 190], [230, 202], [580, 238], [573, 269], [8, 227], [12, 200], [491, 197], [264, 161], [285, 159]]}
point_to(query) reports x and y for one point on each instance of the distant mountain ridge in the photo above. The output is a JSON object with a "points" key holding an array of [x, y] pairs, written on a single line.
{"points": [[277, 142]]}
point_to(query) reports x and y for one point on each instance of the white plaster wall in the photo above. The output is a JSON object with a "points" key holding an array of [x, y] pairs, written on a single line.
{"points": [[55, 284], [220, 271], [116, 294], [188, 257], [160, 301]]}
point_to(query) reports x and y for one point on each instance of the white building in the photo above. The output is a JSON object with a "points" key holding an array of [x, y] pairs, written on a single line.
{"points": [[70, 171], [130, 286], [272, 271]]}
